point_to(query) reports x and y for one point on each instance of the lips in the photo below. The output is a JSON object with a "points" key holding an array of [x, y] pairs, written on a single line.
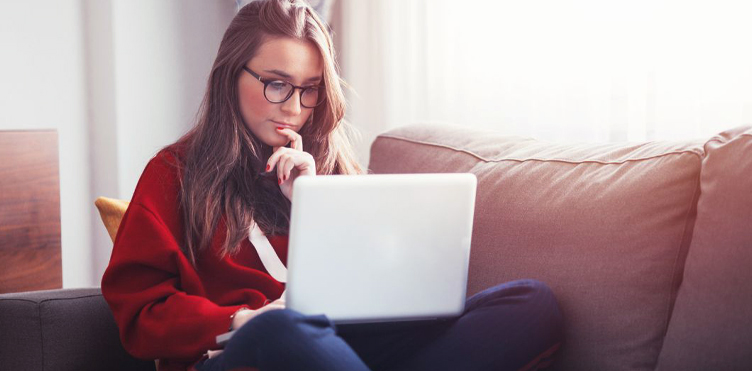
{"points": [[283, 124]]}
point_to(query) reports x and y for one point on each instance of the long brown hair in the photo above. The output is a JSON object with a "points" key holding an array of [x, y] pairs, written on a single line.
{"points": [[220, 159]]}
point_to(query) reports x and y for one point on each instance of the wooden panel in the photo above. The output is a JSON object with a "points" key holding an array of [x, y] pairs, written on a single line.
{"points": [[29, 211]]}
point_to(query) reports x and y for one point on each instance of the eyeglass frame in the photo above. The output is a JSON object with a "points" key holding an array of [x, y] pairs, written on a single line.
{"points": [[266, 83]]}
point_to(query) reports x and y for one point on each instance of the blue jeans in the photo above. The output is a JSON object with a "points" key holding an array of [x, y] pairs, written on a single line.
{"points": [[513, 326]]}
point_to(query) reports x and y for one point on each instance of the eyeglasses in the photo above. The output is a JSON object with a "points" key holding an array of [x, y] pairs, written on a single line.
{"points": [[279, 91]]}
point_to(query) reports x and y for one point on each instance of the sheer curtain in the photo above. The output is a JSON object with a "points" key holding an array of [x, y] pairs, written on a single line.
{"points": [[576, 70]]}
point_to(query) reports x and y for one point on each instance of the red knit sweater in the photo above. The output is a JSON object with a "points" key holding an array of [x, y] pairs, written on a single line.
{"points": [[164, 307]]}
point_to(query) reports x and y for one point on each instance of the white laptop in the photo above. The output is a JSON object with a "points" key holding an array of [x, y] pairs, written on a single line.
{"points": [[375, 248], [380, 247]]}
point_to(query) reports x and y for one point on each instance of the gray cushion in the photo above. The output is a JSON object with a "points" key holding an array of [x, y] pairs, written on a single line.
{"points": [[70, 329]]}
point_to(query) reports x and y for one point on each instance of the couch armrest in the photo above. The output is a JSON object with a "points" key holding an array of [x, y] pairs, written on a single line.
{"points": [[68, 329]]}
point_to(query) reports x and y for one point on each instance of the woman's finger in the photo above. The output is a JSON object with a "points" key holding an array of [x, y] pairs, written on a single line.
{"points": [[286, 160], [272, 307], [287, 168], [296, 141], [274, 158], [283, 159]]}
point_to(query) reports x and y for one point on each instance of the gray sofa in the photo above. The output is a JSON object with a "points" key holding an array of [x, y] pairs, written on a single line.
{"points": [[647, 246], [69, 329]]}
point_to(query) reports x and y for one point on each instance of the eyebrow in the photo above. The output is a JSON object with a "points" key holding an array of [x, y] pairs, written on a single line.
{"points": [[286, 75]]}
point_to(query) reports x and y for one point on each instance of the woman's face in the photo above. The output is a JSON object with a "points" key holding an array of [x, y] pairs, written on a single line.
{"points": [[279, 58]]}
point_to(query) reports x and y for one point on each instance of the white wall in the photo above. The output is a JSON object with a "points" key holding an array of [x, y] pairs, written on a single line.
{"points": [[155, 58], [163, 53], [575, 70], [42, 86], [118, 79]]}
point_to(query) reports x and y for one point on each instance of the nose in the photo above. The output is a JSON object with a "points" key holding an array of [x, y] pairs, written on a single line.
{"points": [[292, 106]]}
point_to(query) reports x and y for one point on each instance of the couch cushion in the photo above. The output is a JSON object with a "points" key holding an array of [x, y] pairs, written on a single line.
{"points": [[711, 327], [70, 329], [20, 340], [605, 226]]}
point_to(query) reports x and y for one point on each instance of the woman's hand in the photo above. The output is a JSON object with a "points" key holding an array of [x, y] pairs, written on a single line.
{"points": [[244, 316], [290, 162]]}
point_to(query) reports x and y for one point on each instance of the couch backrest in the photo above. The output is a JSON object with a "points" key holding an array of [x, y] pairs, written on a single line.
{"points": [[711, 326], [606, 226], [61, 330]]}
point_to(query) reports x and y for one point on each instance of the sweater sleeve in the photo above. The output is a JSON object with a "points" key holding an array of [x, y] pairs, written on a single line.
{"points": [[142, 285]]}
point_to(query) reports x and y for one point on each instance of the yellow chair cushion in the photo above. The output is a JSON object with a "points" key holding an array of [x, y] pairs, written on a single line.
{"points": [[111, 210]]}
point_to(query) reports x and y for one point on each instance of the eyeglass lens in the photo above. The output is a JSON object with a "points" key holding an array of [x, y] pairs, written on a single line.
{"points": [[280, 91]]}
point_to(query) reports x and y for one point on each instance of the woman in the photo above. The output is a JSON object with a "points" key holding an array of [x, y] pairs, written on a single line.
{"points": [[183, 269]]}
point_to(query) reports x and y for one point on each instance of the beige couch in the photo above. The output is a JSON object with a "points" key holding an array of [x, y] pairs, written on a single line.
{"points": [[647, 246]]}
